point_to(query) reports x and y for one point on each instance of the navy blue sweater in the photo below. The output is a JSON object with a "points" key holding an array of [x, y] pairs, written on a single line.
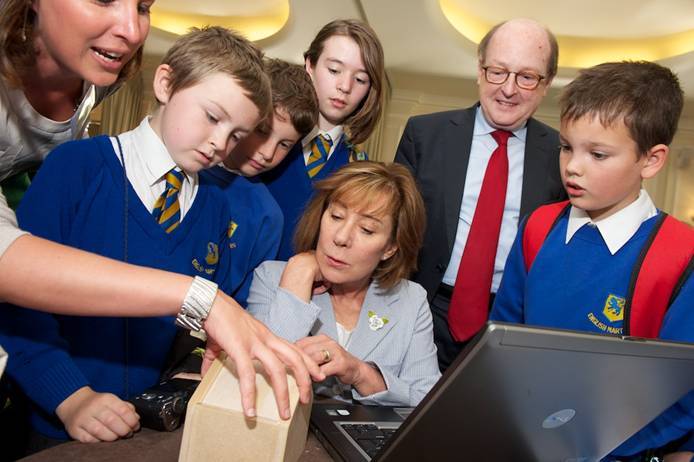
{"points": [[78, 199], [254, 236]]}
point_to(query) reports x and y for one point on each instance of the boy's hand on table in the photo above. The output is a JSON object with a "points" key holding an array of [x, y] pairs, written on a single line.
{"points": [[91, 417]]}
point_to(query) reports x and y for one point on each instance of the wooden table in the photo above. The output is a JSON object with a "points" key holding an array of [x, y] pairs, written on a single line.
{"points": [[146, 445]]}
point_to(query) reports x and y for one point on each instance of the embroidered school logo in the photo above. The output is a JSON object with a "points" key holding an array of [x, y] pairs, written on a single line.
{"points": [[614, 308], [232, 228], [212, 256], [361, 155], [230, 232], [356, 151], [613, 311], [211, 260]]}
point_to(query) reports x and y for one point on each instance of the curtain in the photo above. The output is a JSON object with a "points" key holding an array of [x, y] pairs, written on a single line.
{"points": [[374, 144], [123, 110]]}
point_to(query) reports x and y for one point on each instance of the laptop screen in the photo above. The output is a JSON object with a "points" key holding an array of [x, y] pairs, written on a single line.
{"points": [[525, 393]]}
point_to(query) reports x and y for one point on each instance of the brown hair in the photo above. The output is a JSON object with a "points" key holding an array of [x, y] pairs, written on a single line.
{"points": [[364, 185], [552, 62], [293, 92], [207, 50], [17, 52], [646, 96], [363, 120]]}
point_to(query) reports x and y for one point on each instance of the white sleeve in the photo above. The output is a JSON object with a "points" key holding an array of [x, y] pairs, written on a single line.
{"points": [[8, 225], [3, 360]]}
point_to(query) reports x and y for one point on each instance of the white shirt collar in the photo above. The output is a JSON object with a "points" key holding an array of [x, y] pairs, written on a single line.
{"points": [[157, 159], [619, 227], [482, 127], [335, 133]]}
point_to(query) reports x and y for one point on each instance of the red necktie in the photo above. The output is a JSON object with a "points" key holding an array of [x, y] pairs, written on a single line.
{"points": [[469, 307]]}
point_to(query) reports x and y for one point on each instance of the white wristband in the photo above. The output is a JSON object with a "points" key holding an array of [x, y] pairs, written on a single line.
{"points": [[197, 304]]}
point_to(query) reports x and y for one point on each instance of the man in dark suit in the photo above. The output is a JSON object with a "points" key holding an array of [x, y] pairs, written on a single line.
{"points": [[454, 158]]}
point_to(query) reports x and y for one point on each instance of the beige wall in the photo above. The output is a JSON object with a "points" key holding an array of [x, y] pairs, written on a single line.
{"points": [[412, 94]]}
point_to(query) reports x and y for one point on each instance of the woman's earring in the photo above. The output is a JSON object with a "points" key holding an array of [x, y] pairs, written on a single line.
{"points": [[24, 32], [24, 26]]}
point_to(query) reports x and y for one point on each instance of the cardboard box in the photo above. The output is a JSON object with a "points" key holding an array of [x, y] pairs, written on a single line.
{"points": [[216, 429]]}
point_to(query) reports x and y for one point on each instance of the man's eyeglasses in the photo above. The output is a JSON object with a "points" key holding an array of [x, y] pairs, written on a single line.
{"points": [[525, 79]]}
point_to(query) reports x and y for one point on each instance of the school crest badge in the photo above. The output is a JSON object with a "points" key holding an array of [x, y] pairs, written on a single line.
{"points": [[614, 308], [356, 151], [232, 228], [212, 256], [211, 260], [361, 155]]}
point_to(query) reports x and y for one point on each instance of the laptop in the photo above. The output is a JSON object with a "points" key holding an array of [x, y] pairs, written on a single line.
{"points": [[520, 393]]}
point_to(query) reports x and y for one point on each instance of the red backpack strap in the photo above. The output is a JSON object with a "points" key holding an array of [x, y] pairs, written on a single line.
{"points": [[539, 224], [664, 264]]}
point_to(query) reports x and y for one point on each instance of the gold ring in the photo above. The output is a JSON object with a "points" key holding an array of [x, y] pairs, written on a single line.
{"points": [[326, 356]]}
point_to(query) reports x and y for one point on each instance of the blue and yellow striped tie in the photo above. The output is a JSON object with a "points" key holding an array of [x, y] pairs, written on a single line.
{"points": [[320, 147], [167, 211]]}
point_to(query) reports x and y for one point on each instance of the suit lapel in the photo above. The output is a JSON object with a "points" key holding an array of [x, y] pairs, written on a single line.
{"points": [[456, 144], [536, 167], [365, 339]]}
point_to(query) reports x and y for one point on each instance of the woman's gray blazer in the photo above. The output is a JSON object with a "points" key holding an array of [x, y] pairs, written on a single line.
{"points": [[403, 349]]}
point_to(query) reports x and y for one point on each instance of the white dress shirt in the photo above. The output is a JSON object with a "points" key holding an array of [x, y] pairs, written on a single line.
{"points": [[147, 162], [343, 335], [483, 145], [618, 228]]}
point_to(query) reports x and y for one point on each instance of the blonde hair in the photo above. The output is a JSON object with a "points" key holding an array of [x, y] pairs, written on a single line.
{"points": [[17, 53], [208, 50], [360, 124], [365, 185]]}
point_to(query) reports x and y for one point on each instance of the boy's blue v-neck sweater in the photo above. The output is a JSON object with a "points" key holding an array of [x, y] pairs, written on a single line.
{"points": [[580, 285], [78, 198], [254, 236]]}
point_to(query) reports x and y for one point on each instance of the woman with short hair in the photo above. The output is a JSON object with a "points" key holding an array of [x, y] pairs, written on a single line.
{"points": [[344, 298]]}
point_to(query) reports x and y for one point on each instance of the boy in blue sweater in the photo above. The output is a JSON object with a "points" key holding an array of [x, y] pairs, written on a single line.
{"points": [[138, 198], [617, 120], [256, 229], [256, 224]]}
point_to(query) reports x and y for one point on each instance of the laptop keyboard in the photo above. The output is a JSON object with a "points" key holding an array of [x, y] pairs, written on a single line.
{"points": [[369, 437]]}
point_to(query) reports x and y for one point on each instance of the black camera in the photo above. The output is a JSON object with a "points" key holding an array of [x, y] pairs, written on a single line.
{"points": [[163, 406]]}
